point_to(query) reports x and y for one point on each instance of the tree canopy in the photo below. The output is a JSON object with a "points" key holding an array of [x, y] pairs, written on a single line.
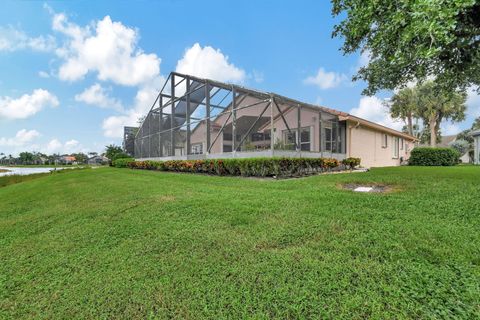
{"points": [[412, 40], [429, 104]]}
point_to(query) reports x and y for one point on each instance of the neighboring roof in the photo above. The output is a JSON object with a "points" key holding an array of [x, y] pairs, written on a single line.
{"points": [[279, 98], [475, 133], [446, 140], [69, 158]]}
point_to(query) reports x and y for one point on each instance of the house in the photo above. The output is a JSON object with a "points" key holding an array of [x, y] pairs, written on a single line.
{"points": [[97, 160], [476, 146], [66, 159], [446, 142], [211, 119]]}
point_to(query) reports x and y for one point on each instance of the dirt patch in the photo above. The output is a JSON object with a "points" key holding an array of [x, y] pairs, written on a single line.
{"points": [[368, 187]]}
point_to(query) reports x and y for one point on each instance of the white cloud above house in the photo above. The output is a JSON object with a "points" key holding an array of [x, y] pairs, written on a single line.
{"points": [[146, 95], [211, 63], [12, 39], [107, 48], [22, 138], [27, 105], [57, 146], [373, 109], [326, 79], [98, 96], [204, 62]]}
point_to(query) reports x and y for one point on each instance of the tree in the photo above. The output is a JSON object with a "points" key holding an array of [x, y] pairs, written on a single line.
{"points": [[404, 105], [462, 146], [26, 157], [80, 157], [112, 150], [476, 124], [435, 105], [412, 41]]}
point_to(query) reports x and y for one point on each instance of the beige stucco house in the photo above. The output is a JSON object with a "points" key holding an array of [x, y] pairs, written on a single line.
{"points": [[210, 119], [476, 146]]}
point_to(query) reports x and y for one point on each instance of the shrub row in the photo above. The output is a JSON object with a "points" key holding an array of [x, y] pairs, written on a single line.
{"points": [[249, 167], [122, 162], [351, 162], [427, 156]]}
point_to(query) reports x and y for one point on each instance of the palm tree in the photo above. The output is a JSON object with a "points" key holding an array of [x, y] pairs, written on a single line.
{"points": [[436, 105], [404, 105]]}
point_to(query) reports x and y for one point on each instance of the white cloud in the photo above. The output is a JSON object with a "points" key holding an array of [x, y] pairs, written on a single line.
{"points": [[27, 105], [107, 48], [12, 39], [22, 137], [326, 80], [210, 63], [99, 96], [57, 146], [373, 109], [113, 125], [473, 102], [43, 74], [258, 76]]}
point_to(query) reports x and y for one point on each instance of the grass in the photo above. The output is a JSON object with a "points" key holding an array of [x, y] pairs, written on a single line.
{"points": [[119, 243]]}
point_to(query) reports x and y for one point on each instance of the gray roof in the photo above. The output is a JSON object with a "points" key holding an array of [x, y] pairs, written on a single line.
{"points": [[475, 133]]}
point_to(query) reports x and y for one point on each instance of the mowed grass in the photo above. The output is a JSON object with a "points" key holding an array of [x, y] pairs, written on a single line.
{"points": [[119, 243]]}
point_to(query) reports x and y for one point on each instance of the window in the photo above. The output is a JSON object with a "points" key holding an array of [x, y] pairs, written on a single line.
{"points": [[384, 140], [290, 138], [396, 143], [401, 143], [305, 139], [197, 148], [328, 139]]}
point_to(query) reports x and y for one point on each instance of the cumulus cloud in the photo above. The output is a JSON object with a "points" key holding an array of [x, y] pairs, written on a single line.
{"points": [[326, 80], [473, 102], [57, 146], [210, 63], [43, 74], [22, 138], [106, 48], [12, 39], [27, 105], [146, 95], [98, 96], [373, 109]]}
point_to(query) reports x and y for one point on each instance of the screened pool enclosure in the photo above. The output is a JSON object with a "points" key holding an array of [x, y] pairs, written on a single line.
{"points": [[195, 118]]}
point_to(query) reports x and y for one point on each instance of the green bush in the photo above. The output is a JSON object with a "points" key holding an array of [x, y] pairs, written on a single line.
{"points": [[249, 167], [426, 156], [122, 162], [351, 162]]}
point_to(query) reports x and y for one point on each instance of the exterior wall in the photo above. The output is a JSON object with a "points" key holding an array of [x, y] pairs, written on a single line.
{"points": [[366, 144], [477, 149]]}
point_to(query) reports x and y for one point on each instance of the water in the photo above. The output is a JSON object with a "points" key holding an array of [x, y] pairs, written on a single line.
{"points": [[25, 171]]}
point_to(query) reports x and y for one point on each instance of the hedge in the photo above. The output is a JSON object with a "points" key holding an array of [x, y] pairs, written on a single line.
{"points": [[122, 162], [249, 167], [427, 156], [351, 162]]}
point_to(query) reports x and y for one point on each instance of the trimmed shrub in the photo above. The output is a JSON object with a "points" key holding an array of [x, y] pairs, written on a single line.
{"points": [[122, 162], [249, 167], [351, 162], [427, 156]]}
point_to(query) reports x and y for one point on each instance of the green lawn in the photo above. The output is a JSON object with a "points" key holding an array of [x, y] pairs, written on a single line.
{"points": [[118, 243]]}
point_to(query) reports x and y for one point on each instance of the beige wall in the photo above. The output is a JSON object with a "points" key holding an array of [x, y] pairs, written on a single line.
{"points": [[366, 143]]}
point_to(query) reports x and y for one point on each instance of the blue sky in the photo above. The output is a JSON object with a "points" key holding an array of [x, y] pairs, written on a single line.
{"points": [[73, 73]]}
